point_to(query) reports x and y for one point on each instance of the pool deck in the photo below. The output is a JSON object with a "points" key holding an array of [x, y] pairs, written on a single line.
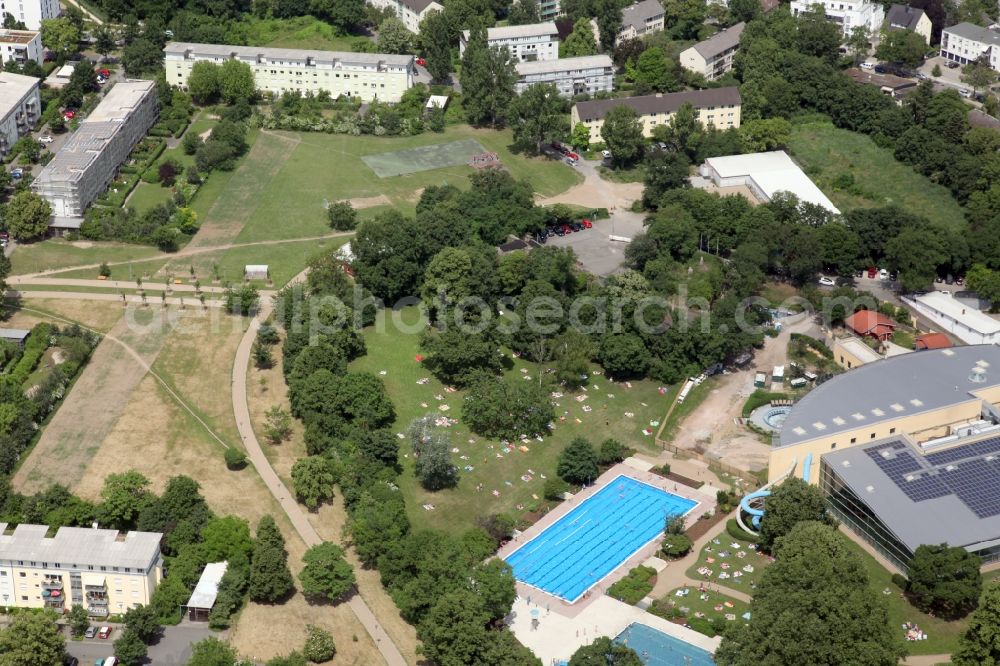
{"points": [[557, 636], [548, 602]]}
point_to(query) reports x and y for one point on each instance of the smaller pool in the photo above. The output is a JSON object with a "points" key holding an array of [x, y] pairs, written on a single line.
{"points": [[770, 418], [656, 648]]}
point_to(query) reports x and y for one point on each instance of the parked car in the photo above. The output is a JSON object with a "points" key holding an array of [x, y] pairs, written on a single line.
{"points": [[90, 633], [550, 232], [965, 92], [570, 161], [880, 69], [959, 280], [45, 138], [951, 64], [871, 272], [606, 154], [17, 173], [69, 114], [576, 226], [662, 146], [867, 65], [422, 62], [883, 274], [587, 224], [827, 281], [923, 75], [104, 633], [566, 229], [561, 231], [71, 661]]}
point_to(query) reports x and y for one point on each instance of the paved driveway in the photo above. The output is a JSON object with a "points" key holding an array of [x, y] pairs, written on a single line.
{"points": [[173, 648], [593, 247]]}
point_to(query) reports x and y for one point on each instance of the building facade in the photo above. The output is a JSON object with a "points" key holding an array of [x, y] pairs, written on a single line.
{"points": [[965, 43], [847, 14], [904, 17], [410, 12], [526, 43], [102, 570], [20, 108], [87, 163], [30, 12], [714, 107], [368, 76], [713, 57], [21, 46], [572, 76], [963, 321], [548, 10], [642, 18]]}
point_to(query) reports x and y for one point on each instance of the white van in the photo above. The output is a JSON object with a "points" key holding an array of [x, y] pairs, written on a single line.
{"points": [[111, 661]]}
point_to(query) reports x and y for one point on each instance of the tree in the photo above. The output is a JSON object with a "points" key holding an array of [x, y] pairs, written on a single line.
{"points": [[319, 645], [32, 640], [270, 579], [580, 137], [493, 581], [235, 459], [262, 357], [27, 215], [487, 79], [538, 116], [435, 36], [653, 73], [858, 42], [980, 645], [143, 622], [61, 36], [313, 478], [204, 85], [523, 12], [903, 46], [342, 216], [124, 495], [212, 652], [979, 74], [495, 407], [326, 575], [816, 36], [345, 15], [242, 300], [236, 82], [277, 425], [454, 631], [916, 253], [608, 16], [622, 134], [104, 40], [624, 356], [580, 42], [676, 545], [605, 652], [432, 449], [745, 10], [130, 649], [944, 580], [79, 620], [393, 36], [142, 55], [936, 71], [578, 462], [664, 171], [759, 135], [814, 605], [792, 502]]}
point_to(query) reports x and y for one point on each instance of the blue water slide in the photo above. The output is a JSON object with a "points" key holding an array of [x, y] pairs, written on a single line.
{"points": [[755, 510]]}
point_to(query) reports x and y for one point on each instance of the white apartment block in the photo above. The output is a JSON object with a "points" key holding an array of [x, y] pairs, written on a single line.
{"points": [[368, 76], [848, 14], [21, 46], [526, 43], [583, 75], [410, 12], [713, 57], [548, 10], [30, 12], [104, 571], [87, 163], [965, 43], [641, 18], [20, 108], [714, 107]]}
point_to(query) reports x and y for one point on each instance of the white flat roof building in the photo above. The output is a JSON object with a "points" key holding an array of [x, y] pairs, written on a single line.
{"points": [[765, 174], [368, 76], [20, 106], [963, 321], [572, 76], [21, 46], [526, 43], [967, 42], [31, 12], [206, 591], [848, 14]]}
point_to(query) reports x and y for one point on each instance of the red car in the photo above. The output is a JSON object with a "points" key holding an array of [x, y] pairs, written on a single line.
{"points": [[871, 272], [69, 115], [572, 156], [421, 62], [104, 633], [105, 73], [587, 224], [567, 229]]}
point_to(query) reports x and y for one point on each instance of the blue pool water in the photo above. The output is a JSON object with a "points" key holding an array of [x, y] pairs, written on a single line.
{"points": [[656, 648], [592, 540]]}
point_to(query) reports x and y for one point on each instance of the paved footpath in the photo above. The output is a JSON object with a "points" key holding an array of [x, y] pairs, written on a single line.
{"points": [[391, 654]]}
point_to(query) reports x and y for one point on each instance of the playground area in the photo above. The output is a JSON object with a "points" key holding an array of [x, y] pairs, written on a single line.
{"points": [[424, 158]]}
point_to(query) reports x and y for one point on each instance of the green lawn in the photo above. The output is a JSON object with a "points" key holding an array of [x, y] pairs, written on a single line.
{"points": [[721, 556], [826, 153], [57, 253], [393, 351], [302, 32], [147, 195], [707, 604]]}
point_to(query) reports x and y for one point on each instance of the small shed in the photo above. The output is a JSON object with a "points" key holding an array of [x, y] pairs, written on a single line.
{"points": [[256, 272], [436, 102], [760, 380], [778, 374], [18, 335], [203, 598]]}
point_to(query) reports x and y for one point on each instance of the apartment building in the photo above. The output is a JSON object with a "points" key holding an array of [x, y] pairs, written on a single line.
{"points": [[20, 107], [641, 18], [966, 42], [526, 43], [848, 14], [410, 12], [368, 76], [715, 107], [87, 163], [21, 46], [104, 571], [548, 10], [713, 57], [30, 12], [572, 76], [904, 17]]}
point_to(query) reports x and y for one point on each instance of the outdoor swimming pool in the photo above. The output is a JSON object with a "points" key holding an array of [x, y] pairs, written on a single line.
{"points": [[656, 648], [596, 537]]}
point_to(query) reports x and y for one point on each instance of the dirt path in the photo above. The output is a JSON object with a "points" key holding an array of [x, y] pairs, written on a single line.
{"points": [[596, 192], [110, 284], [128, 298]]}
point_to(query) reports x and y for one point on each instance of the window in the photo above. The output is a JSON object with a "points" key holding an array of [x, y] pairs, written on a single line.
{"points": [[23, 575], [853, 440], [892, 431], [872, 436], [833, 445], [24, 598]]}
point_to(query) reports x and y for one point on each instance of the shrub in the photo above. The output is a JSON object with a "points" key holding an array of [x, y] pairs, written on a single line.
{"points": [[899, 580], [676, 545], [554, 488], [319, 645], [500, 526], [759, 398], [734, 530], [634, 587], [105, 270], [702, 626], [611, 451], [235, 459]]}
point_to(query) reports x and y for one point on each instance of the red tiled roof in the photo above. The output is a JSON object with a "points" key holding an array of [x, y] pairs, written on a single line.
{"points": [[869, 322], [932, 341]]}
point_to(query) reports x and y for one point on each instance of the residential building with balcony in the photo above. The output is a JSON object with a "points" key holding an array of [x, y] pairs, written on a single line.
{"points": [[104, 571], [20, 108], [713, 57], [714, 107], [572, 76], [548, 10], [526, 43], [87, 163], [21, 46], [848, 14], [641, 18], [30, 12], [410, 12], [966, 42], [367, 76], [904, 17]]}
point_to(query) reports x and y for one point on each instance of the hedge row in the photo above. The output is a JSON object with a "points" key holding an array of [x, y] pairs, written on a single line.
{"points": [[761, 397]]}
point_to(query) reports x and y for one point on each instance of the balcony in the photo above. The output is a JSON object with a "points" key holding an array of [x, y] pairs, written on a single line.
{"points": [[97, 611], [54, 584]]}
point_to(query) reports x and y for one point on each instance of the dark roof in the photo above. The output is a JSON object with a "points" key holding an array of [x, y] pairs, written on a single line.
{"points": [[661, 103], [720, 42], [768, 5], [903, 17], [513, 245], [417, 5], [979, 119], [636, 15], [896, 83]]}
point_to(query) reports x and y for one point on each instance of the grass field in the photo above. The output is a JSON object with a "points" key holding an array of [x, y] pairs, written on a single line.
{"points": [[722, 556], [394, 352], [424, 158], [826, 152], [709, 604], [57, 253]]}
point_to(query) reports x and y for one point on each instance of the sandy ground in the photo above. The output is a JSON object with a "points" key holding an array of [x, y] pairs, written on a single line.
{"points": [[261, 396], [370, 202], [98, 316]]}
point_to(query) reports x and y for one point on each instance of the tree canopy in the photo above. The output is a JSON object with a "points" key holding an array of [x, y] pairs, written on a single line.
{"points": [[792, 502], [945, 580]]}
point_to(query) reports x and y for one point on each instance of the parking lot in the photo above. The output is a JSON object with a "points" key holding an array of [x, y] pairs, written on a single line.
{"points": [[172, 649], [593, 247]]}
